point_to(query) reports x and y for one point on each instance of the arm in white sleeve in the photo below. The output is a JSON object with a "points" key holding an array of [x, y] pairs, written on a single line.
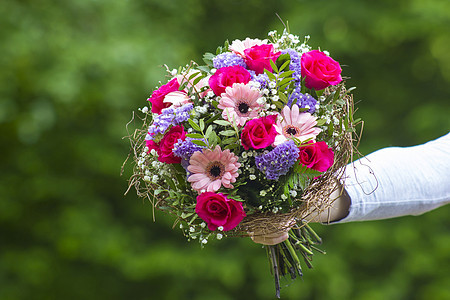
{"points": [[395, 181]]}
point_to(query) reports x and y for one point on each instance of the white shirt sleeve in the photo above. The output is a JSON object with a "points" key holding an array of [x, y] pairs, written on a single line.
{"points": [[395, 181]]}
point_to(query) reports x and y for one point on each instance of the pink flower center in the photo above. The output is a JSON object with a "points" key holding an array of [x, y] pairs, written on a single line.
{"points": [[215, 170], [242, 108], [291, 130]]}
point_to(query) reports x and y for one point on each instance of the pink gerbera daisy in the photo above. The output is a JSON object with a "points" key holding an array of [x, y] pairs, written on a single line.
{"points": [[238, 46], [239, 103], [210, 169], [295, 124]]}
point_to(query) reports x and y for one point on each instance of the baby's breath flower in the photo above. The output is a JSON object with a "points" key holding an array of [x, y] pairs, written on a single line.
{"points": [[252, 177], [263, 193], [219, 236]]}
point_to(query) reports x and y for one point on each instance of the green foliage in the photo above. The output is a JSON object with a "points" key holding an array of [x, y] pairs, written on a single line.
{"points": [[71, 72]]}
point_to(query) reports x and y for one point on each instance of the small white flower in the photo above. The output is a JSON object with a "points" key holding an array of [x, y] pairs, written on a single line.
{"points": [[174, 72], [155, 178], [210, 94], [326, 52], [273, 106], [153, 152], [272, 84], [260, 207], [204, 241], [261, 101], [265, 91], [275, 210], [203, 224], [263, 193], [252, 177], [147, 178], [284, 197], [213, 71], [219, 236], [275, 98], [293, 193], [244, 154], [220, 228], [144, 109], [181, 226]]}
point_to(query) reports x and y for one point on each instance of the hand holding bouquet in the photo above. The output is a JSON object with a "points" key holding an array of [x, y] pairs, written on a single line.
{"points": [[248, 144]]}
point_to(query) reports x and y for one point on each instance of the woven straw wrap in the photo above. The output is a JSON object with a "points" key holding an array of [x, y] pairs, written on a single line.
{"points": [[315, 198]]}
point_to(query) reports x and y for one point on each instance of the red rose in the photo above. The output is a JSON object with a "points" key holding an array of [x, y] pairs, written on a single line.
{"points": [[226, 76], [157, 97], [165, 146], [217, 210], [259, 133], [317, 156], [320, 70], [258, 57]]}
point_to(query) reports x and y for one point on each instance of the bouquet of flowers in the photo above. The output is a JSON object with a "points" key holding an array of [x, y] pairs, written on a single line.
{"points": [[248, 144]]}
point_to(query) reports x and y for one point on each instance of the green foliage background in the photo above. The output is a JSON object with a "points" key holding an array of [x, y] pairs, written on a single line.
{"points": [[72, 72]]}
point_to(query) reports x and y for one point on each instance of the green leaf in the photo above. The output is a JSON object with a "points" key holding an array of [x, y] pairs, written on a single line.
{"points": [[202, 125], [200, 143], [197, 80], [279, 104], [283, 98], [186, 215], [285, 81], [274, 66], [229, 141], [227, 132], [204, 69], [222, 122], [193, 75], [194, 125], [194, 135], [284, 61], [270, 75], [285, 74], [320, 122], [208, 131]]}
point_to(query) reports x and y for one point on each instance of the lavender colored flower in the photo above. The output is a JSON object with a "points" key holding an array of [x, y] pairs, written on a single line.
{"points": [[278, 161], [168, 117], [262, 79], [185, 149], [228, 59], [295, 64], [303, 100]]}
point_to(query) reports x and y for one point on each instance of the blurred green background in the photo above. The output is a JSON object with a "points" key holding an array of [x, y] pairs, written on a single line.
{"points": [[72, 72]]}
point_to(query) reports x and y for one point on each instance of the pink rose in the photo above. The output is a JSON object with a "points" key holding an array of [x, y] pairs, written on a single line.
{"points": [[157, 97], [320, 70], [217, 210], [259, 133], [258, 57], [317, 156], [226, 76], [165, 146]]}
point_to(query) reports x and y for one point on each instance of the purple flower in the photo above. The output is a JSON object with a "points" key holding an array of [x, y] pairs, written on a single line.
{"points": [[185, 149], [168, 117], [303, 100], [278, 161], [295, 64], [262, 79], [228, 59]]}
